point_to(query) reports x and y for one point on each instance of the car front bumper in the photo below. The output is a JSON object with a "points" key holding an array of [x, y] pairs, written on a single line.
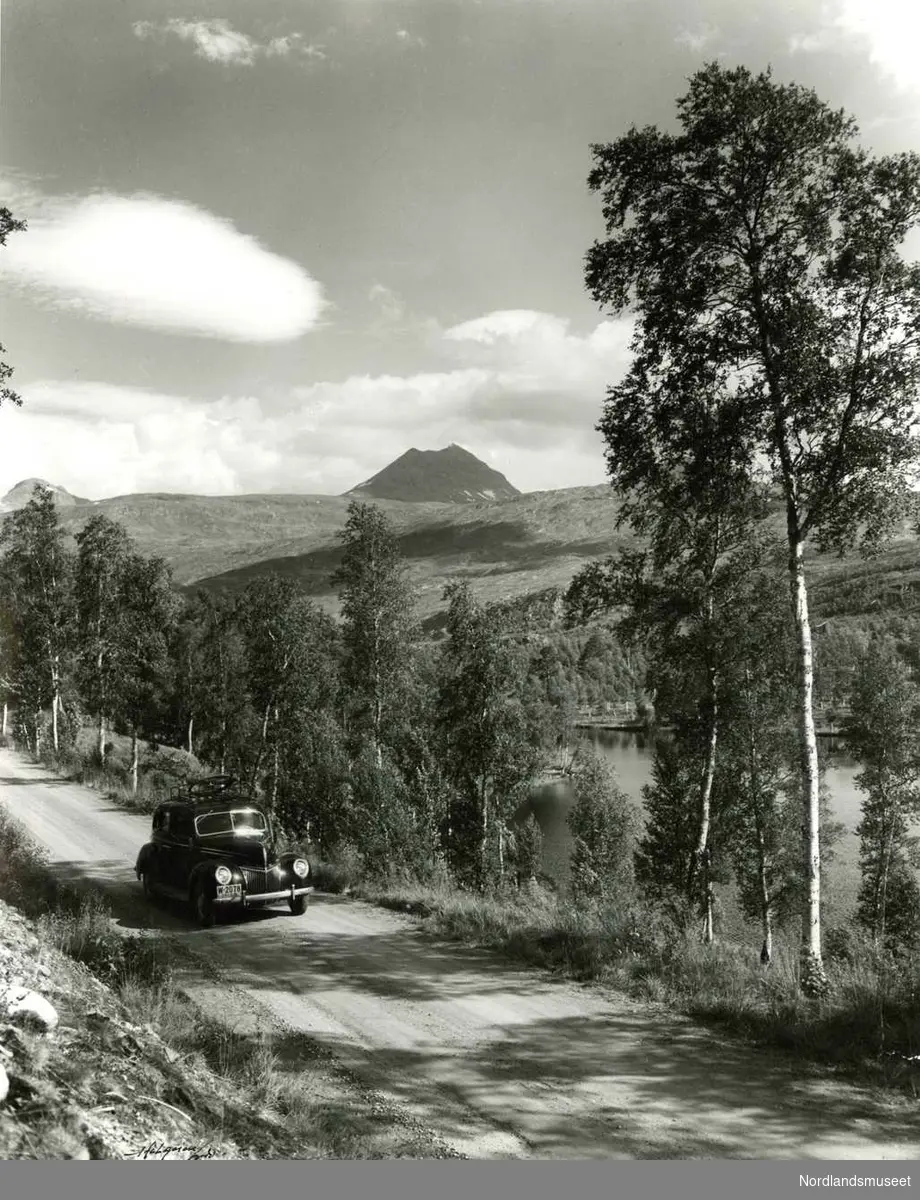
{"points": [[290, 893]]}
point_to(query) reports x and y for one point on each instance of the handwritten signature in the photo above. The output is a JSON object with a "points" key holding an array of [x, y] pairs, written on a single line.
{"points": [[162, 1150]]}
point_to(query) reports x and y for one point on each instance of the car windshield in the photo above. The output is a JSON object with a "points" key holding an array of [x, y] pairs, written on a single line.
{"points": [[243, 822]]}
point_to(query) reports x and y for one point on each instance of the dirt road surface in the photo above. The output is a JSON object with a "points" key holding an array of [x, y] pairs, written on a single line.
{"points": [[500, 1062]]}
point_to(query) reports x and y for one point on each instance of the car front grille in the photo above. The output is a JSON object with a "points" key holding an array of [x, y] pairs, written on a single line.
{"points": [[258, 881]]}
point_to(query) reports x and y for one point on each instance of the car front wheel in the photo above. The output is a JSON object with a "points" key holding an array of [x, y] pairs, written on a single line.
{"points": [[146, 884], [298, 905], [204, 907]]}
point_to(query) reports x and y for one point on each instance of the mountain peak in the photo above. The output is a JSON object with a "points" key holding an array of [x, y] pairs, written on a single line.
{"points": [[450, 475], [21, 493]]}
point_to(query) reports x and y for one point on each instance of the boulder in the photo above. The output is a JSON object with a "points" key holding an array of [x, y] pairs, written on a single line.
{"points": [[28, 1008]]}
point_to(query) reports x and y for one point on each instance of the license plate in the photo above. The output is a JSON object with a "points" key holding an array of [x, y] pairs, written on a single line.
{"points": [[229, 891]]}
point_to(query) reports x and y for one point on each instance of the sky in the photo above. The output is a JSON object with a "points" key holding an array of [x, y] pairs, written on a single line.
{"points": [[272, 244]]}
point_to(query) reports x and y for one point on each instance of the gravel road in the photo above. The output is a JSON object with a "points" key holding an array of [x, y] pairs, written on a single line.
{"points": [[500, 1062]]}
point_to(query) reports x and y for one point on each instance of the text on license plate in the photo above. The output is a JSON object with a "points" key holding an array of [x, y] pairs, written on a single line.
{"points": [[226, 891]]}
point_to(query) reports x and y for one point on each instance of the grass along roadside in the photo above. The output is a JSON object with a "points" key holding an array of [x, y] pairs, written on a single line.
{"points": [[868, 1027], [135, 1067]]}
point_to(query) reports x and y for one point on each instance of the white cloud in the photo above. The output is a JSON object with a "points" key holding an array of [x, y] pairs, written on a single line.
{"points": [[531, 398], [889, 28], [166, 265], [892, 28], [293, 43], [535, 352], [697, 40], [217, 41]]}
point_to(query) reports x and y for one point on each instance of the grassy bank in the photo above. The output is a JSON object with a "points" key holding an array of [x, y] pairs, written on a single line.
{"points": [[135, 1065], [868, 1026]]}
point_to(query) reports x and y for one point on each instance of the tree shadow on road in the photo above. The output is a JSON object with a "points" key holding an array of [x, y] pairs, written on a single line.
{"points": [[612, 1087]]}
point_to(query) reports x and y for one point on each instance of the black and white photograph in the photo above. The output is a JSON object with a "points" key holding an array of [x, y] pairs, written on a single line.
{"points": [[460, 584]]}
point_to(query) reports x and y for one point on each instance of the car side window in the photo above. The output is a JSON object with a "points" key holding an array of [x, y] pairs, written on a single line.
{"points": [[182, 826]]}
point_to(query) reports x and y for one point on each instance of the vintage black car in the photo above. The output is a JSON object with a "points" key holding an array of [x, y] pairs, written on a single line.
{"points": [[212, 846]]}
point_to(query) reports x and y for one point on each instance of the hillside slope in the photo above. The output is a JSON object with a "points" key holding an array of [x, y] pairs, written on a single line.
{"points": [[201, 536], [506, 549]]}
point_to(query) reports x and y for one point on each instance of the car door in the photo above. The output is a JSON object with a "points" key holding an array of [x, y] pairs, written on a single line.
{"points": [[182, 852]]}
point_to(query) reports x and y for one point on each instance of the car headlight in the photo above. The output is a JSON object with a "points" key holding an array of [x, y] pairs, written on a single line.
{"points": [[301, 868], [223, 875]]}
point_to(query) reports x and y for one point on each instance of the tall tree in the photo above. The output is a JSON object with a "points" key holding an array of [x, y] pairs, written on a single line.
{"points": [[271, 639], [8, 225], [377, 620], [760, 250], [215, 699], [489, 752], [38, 571], [103, 552], [148, 609]]}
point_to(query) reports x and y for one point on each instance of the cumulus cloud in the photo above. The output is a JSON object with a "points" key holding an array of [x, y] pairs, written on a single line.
{"points": [[166, 265], [526, 391], [889, 28], [218, 42], [892, 29], [536, 354]]}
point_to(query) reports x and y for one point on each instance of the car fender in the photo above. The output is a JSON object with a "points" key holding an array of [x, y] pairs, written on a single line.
{"points": [[145, 854], [204, 871], [287, 859]]}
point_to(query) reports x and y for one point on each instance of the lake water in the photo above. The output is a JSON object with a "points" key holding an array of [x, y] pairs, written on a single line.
{"points": [[630, 754]]}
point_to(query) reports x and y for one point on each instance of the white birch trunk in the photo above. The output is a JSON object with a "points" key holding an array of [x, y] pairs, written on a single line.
{"points": [[813, 978], [134, 762]]}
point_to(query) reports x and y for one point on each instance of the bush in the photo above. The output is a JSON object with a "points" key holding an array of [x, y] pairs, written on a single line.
{"points": [[528, 850]]}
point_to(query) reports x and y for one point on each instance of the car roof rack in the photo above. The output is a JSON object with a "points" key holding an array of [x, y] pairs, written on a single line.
{"points": [[210, 788]]}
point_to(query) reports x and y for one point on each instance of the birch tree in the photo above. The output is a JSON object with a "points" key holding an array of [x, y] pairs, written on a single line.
{"points": [[215, 702], [37, 568], [103, 551], [377, 622], [148, 610], [489, 751], [759, 248]]}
